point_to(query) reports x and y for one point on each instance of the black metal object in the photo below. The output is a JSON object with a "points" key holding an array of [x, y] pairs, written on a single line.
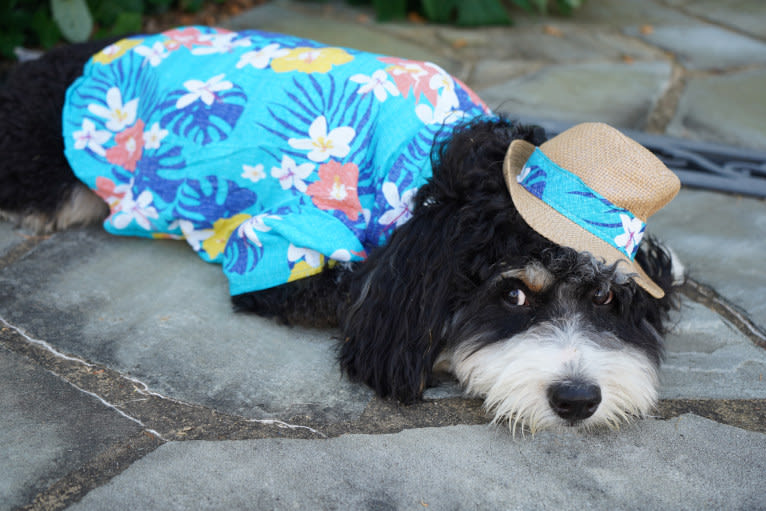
{"points": [[698, 164]]}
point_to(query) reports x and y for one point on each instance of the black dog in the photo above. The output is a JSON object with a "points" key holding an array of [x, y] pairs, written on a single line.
{"points": [[546, 334]]}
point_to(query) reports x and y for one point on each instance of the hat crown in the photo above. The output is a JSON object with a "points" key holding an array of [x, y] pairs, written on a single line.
{"points": [[615, 166]]}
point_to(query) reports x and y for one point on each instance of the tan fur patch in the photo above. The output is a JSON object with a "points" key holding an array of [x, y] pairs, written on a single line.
{"points": [[535, 276], [82, 207]]}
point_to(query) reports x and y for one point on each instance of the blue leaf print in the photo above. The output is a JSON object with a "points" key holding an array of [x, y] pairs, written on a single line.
{"points": [[212, 198], [203, 123]]}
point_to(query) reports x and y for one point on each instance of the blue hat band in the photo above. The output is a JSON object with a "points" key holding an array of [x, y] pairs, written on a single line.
{"points": [[570, 196]]}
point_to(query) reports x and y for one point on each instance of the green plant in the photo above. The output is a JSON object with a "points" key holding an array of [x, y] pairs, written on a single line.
{"points": [[36, 24], [466, 12]]}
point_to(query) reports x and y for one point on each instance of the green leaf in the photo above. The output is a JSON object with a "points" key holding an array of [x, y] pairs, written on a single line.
{"points": [[477, 12], [126, 23], [45, 28], [8, 41], [440, 11], [388, 10], [73, 19], [482, 12]]}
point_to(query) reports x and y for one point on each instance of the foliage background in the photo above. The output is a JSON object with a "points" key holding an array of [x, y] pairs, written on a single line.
{"points": [[42, 24]]}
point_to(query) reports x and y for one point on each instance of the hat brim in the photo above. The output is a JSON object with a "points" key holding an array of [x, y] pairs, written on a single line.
{"points": [[559, 229]]}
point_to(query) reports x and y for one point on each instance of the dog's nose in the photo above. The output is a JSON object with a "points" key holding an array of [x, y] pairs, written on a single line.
{"points": [[574, 400]]}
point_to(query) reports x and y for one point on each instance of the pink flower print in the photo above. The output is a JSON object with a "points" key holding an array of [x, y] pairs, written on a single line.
{"points": [[292, 175], [401, 208], [221, 43], [336, 189], [186, 37], [111, 193], [414, 75], [129, 148]]}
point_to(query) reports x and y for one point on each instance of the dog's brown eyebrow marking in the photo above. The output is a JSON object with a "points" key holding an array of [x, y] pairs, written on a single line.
{"points": [[534, 275]]}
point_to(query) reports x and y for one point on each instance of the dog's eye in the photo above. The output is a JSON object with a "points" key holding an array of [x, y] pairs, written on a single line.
{"points": [[518, 298], [603, 297]]}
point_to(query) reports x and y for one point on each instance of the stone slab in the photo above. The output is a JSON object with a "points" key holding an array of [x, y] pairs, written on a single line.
{"points": [[744, 15], [729, 109], [707, 358], [561, 41], [155, 311], [620, 94], [684, 463], [633, 12], [721, 240], [9, 237], [47, 429], [704, 46]]}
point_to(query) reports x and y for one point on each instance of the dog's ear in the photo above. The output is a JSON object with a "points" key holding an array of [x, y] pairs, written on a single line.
{"points": [[393, 324], [666, 270], [399, 312]]}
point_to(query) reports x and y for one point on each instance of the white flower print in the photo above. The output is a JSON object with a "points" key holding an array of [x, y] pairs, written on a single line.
{"points": [[153, 136], [633, 233], [117, 115], [292, 175], [90, 137], [401, 208], [136, 209], [260, 59], [252, 226], [153, 55], [341, 254], [312, 257], [445, 112], [322, 145], [204, 91], [253, 173], [221, 43], [523, 174], [378, 83], [194, 237]]}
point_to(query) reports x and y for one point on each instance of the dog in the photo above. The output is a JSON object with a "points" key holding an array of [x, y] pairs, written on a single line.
{"points": [[518, 264]]}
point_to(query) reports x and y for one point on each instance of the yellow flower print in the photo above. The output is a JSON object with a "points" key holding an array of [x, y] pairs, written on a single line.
{"points": [[302, 269], [311, 60], [222, 229], [116, 50]]}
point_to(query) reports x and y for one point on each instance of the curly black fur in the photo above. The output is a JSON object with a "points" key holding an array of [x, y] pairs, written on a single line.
{"points": [[34, 175]]}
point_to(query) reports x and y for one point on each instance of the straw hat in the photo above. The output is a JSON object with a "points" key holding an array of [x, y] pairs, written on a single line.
{"points": [[591, 188]]}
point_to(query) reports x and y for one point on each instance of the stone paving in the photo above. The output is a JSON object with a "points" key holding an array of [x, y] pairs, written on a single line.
{"points": [[145, 391]]}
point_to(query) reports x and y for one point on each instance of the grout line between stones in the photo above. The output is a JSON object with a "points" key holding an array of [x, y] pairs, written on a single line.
{"points": [[710, 298]]}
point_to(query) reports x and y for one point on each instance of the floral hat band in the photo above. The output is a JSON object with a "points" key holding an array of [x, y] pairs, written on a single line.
{"points": [[591, 188], [567, 194]]}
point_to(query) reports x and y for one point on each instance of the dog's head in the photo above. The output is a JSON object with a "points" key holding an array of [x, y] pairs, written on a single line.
{"points": [[545, 334]]}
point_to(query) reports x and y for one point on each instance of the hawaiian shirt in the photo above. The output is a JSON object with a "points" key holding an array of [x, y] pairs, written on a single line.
{"points": [[269, 154]]}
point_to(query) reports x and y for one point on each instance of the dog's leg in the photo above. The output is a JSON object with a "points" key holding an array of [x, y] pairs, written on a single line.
{"points": [[37, 187], [312, 301]]}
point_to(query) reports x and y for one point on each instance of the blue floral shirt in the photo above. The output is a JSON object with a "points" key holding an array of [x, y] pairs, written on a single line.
{"points": [[269, 154]]}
